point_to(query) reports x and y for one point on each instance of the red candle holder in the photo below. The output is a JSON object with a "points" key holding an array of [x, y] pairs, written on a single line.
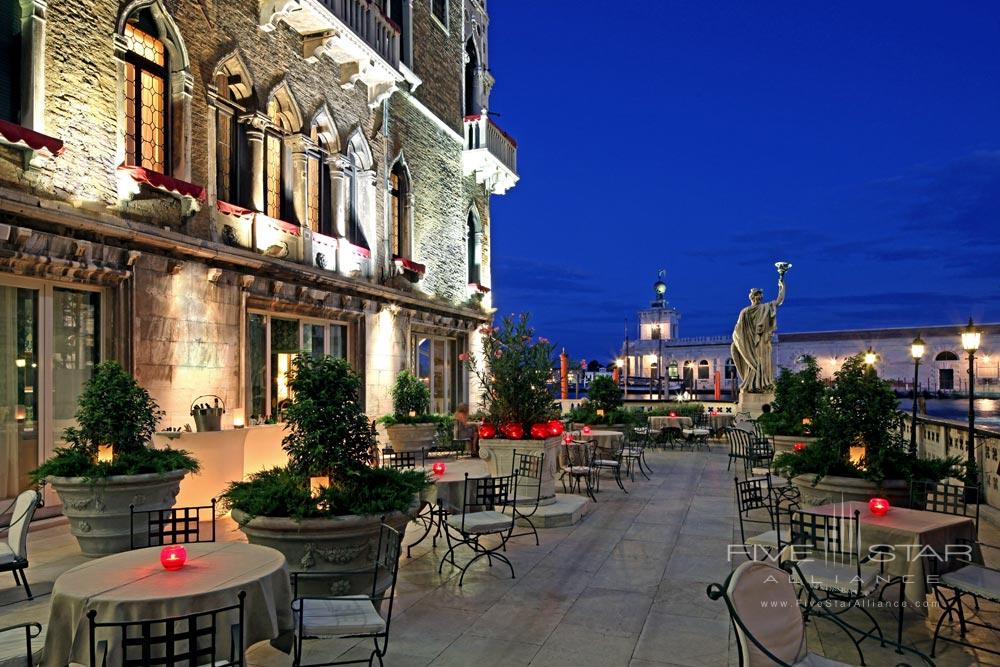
{"points": [[173, 557], [586, 430], [568, 438], [555, 427], [878, 506], [799, 446], [673, 414], [439, 467]]}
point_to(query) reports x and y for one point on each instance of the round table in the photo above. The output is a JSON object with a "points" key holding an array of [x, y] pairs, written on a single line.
{"points": [[133, 586], [658, 422], [448, 487], [606, 440]]}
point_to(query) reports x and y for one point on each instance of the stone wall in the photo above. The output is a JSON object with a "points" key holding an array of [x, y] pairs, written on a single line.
{"points": [[438, 61]]}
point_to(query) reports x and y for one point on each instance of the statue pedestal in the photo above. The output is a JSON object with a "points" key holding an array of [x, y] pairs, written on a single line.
{"points": [[754, 403]]}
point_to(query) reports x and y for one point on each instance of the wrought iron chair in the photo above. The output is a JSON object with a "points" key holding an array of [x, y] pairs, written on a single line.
{"points": [[483, 502], [350, 616], [953, 499], [777, 637], [576, 465], [739, 444], [671, 436], [609, 460], [976, 581], [176, 525], [176, 641], [755, 494], [836, 570], [18, 644], [403, 460], [529, 468], [634, 453], [14, 551]]}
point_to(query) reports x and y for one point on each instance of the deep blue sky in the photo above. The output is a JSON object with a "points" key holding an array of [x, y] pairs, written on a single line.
{"points": [[858, 140]]}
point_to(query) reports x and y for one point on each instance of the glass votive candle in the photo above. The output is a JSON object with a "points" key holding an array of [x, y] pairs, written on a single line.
{"points": [[878, 506], [173, 557]]}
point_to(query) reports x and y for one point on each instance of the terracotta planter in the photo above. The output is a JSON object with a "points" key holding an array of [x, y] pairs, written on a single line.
{"points": [[334, 544], [785, 443], [833, 489], [98, 513], [499, 457], [411, 437]]}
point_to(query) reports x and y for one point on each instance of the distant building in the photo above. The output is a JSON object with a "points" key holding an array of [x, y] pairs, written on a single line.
{"points": [[691, 364]]}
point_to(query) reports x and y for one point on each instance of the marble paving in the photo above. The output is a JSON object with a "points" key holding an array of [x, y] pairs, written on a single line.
{"points": [[626, 586]]}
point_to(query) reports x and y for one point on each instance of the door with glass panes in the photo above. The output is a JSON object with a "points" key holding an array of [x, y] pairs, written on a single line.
{"points": [[435, 361]]}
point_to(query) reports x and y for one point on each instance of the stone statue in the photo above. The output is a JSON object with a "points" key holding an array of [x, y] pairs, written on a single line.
{"points": [[751, 348]]}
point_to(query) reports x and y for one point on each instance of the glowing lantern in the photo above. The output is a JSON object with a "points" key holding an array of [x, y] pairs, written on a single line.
{"points": [[878, 506], [555, 427], [173, 557], [487, 431], [539, 431], [413, 413], [439, 467], [799, 446], [857, 455], [105, 453], [568, 439], [673, 414], [239, 418], [586, 430], [600, 412], [317, 483]]}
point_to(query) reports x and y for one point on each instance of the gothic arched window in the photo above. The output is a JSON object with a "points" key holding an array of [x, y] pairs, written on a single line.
{"points": [[147, 86]]}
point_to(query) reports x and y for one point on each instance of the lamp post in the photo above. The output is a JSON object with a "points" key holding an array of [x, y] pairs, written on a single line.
{"points": [[971, 338], [870, 358], [917, 348]]}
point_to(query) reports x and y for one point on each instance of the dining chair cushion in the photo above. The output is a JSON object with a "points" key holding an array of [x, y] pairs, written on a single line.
{"points": [[12, 648], [759, 472], [340, 617], [975, 579], [607, 463], [489, 521], [769, 538], [6, 554], [838, 577], [782, 629], [696, 431]]}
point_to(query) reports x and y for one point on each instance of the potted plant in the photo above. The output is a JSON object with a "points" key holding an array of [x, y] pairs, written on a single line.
{"points": [[107, 463], [797, 396], [323, 510], [859, 450], [519, 412], [411, 426]]}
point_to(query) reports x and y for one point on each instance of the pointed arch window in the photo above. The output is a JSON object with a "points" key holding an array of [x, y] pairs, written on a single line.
{"points": [[320, 196], [232, 150], [474, 250], [472, 80], [355, 225], [277, 159], [147, 82], [399, 194]]}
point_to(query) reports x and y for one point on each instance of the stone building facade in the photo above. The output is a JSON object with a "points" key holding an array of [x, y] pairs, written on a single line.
{"points": [[202, 189]]}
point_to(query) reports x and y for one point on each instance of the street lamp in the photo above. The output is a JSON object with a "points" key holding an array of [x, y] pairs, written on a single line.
{"points": [[917, 349], [971, 337], [870, 358]]}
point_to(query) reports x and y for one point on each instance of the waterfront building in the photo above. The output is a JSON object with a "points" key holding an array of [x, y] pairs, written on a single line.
{"points": [[698, 365], [201, 190]]}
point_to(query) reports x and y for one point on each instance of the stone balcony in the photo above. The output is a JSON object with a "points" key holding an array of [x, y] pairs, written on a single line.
{"points": [[354, 33], [490, 154]]}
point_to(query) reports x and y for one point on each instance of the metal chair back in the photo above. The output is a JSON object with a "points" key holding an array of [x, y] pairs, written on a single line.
{"points": [[837, 537], [177, 641], [21, 515], [944, 498], [175, 525], [404, 460]]}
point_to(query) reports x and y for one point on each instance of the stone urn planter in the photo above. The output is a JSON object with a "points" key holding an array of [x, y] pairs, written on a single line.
{"points": [[834, 489], [98, 512], [411, 437], [333, 544], [499, 457], [785, 443]]}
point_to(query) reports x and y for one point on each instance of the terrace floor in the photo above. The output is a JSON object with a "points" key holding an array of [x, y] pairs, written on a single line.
{"points": [[626, 586]]}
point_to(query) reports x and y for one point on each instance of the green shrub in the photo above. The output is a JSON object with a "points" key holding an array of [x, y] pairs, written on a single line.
{"points": [[604, 393], [410, 394], [797, 396], [113, 409], [586, 413], [681, 409]]}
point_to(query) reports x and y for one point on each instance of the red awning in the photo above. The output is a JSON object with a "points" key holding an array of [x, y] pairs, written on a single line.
{"points": [[163, 182], [479, 288], [225, 208], [409, 264], [364, 252], [286, 227], [22, 136]]}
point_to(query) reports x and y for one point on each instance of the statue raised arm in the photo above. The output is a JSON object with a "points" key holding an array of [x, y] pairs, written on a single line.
{"points": [[755, 327]]}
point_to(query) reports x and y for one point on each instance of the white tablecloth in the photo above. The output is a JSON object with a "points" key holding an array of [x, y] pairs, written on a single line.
{"points": [[656, 423], [133, 586]]}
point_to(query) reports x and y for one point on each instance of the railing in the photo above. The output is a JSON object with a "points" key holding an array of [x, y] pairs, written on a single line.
{"points": [[367, 21], [482, 132], [696, 340]]}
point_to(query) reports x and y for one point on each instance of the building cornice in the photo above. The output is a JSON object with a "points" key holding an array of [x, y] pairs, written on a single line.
{"points": [[144, 236]]}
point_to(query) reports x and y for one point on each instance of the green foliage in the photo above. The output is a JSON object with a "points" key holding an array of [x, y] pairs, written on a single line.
{"points": [[586, 413], [859, 408], [797, 396], [113, 409], [329, 433], [685, 409], [410, 394], [282, 492], [514, 371], [604, 393]]}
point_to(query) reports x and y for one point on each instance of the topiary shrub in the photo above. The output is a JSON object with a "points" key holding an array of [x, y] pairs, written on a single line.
{"points": [[604, 393], [797, 397], [410, 394], [113, 409]]}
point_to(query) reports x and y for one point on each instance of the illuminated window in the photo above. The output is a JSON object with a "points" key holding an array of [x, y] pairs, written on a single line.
{"points": [[475, 248], [399, 193], [320, 201], [232, 148], [435, 361], [272, 174], [146, 84], [285, 120]]}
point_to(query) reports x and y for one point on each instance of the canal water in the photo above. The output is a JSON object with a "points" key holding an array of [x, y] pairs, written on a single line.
{"points": [[987, 409]]}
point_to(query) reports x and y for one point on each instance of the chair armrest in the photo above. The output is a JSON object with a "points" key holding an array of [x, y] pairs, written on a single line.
{"points": [[25, 626]]}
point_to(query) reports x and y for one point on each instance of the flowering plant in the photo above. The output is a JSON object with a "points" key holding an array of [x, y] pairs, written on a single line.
{"points": [[513, 372]]}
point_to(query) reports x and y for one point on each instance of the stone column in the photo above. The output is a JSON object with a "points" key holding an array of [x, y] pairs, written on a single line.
{"points": [[182, 88], [33, 53], [255, 138], [298, 145], [339, 183], [367, 189]]}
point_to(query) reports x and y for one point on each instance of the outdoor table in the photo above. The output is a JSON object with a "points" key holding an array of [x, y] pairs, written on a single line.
{"points": [[134, 586], [718, 422], [605, 440], [660, 422], [445, 497]]}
